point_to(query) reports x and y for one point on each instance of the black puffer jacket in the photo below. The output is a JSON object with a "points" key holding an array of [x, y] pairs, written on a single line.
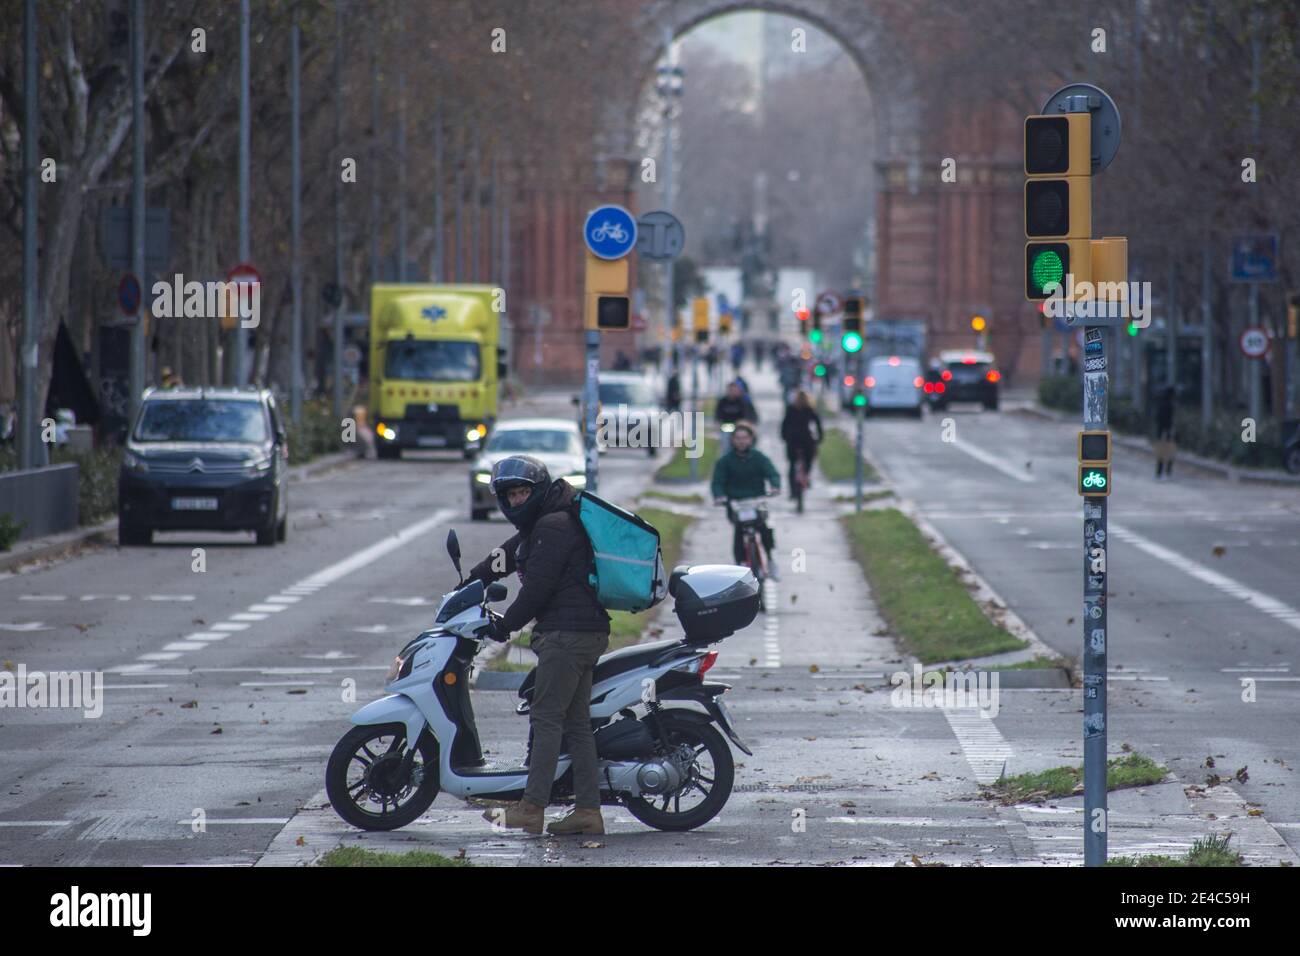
{"points": [[553, 559]]}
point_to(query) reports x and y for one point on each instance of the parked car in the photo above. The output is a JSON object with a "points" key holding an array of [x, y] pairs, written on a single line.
{"points": [[556, 441], [893, 383], [963, 375], [205, 459]]}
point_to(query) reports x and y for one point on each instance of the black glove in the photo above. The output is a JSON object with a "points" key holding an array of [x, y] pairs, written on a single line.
{"points": [[497, 631]]}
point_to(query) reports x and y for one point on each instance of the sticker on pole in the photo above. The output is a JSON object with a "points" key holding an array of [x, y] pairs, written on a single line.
{"points": [[128, 295], [1253, 342], [610, 232]]}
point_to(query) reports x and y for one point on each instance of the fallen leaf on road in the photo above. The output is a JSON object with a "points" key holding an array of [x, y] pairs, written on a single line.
{"points": [[1209, 762], [1242, 776], [9, 665], [794, 598], [217, 731], [814, 669], [810, 738], [301, 841], [190, 705], [1218, 551], [753, 661], [591, 845], [1254, 813], [932, 775], [820, 776]]}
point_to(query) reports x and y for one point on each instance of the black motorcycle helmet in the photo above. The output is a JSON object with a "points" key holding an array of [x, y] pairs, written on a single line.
{"points": [[513, 472]]}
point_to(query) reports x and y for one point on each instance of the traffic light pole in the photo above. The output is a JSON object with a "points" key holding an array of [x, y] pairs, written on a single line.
{"points": [[857, 458], [695, 407], [1096, 385], [590, 400]]}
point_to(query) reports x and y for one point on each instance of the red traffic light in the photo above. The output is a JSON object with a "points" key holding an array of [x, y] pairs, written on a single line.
{"points": [[802, 314]]}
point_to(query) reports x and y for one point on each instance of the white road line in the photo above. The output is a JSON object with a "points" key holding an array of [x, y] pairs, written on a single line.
{"points": [[206, 636], [184, 646], [159, 656], [277, 683], [42, 597], [246, 616], [35, 823], [236, 821], [134, 686], [265, 609], [992, 461], [376, 551], [985, 748], [227, 626], [1257, 599], [169, 597], [283, 599]]}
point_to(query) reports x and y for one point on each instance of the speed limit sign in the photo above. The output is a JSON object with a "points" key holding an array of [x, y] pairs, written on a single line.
{"points": [[1253, 342]]}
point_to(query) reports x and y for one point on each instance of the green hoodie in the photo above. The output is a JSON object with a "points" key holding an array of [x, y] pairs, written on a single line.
{"points": [[735, 476]]}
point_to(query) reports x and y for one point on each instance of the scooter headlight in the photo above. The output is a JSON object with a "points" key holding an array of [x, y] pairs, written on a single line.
{"points": [[401, 667]]}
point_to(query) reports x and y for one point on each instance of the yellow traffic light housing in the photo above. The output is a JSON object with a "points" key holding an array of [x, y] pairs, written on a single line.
{"points": [[606, 307], [700, 319], [1058, 202]]}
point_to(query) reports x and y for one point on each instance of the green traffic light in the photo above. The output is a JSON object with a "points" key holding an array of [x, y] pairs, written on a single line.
{"points": [[819, 369], [815, 336], [1132, 329], [1046, 268], [859, 400], [851, 342]]}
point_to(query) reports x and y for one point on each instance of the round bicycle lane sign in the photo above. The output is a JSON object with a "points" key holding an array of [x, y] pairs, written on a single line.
{"points": [[610, 232]]}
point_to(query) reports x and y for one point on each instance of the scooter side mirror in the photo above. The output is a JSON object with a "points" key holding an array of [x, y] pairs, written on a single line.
{"points": [[496, 591], [453, 549]]}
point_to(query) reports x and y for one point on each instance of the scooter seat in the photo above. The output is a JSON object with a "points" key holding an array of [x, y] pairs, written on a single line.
{"points": [[611, 664]]}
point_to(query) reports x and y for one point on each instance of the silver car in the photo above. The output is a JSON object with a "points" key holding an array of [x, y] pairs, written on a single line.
{"points": [[555, 441]]}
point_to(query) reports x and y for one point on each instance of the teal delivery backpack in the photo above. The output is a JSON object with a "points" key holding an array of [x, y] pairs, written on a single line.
{"points": [[628, 572]]}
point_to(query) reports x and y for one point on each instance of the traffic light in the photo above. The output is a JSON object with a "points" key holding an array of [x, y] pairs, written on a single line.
{"points": [[607, 307], [1131, 329], [1058, 201], [854, 308], [819, 370], [815, 333], [700, 319], [978, 324], [724, 323], [851, 342], [1293, 315]]}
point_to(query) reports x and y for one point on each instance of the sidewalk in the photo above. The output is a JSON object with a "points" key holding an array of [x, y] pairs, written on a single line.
{"points": [[1184, 459]]}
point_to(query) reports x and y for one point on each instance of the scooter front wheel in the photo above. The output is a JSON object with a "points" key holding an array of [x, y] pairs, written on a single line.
{"points": [[369, 783]]}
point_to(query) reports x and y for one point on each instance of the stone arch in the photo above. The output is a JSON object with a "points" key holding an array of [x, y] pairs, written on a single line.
{"points": [[888, 70]]}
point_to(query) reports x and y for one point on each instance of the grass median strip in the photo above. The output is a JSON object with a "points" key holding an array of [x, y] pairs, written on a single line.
{"points": [[927, 607], [1206, 851], [355, 856], [678, 468], [837, 457], [1132, 770]]}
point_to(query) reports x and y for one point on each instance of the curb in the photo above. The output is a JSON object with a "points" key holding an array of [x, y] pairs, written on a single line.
{"points": [[1219, 468]]}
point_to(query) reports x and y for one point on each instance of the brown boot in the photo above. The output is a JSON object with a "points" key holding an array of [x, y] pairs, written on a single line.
{"points": [[521, 815], [578, 821]]}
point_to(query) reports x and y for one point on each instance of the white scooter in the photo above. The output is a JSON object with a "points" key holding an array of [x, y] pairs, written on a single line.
{"points": [[653, 713]]}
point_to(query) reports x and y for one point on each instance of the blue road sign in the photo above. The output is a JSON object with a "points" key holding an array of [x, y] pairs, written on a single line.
{"points": [[1254, 258], [610, 232], [128, 295]]}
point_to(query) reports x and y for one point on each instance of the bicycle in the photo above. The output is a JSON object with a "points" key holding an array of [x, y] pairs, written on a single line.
{"points": [[750, 515], [800, 478]]}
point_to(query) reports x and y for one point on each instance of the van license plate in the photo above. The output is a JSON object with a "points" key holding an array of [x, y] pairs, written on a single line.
{"points": [[194, 504], [431, 441]]}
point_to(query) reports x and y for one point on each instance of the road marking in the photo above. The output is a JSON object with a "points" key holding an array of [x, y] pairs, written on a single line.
{"points": [[42, 597], [980, 454], [134, 686], [1270, 606], [962, 823], [246, 616], [226, 626], [206, 636], [283, 599], [27, 626], [238, 821], [159, 656], [184, 646], [985, 748], [265, 609], [35, 823], [277, 683], [376, 551], [169, 597]]}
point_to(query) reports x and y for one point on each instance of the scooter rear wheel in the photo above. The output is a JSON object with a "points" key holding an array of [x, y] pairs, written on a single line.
{"points": [[363, 772], [712, 773]]}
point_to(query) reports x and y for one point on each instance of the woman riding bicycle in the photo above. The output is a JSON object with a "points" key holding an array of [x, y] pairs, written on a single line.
{"points": [[801, 430], [745, 472]]}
